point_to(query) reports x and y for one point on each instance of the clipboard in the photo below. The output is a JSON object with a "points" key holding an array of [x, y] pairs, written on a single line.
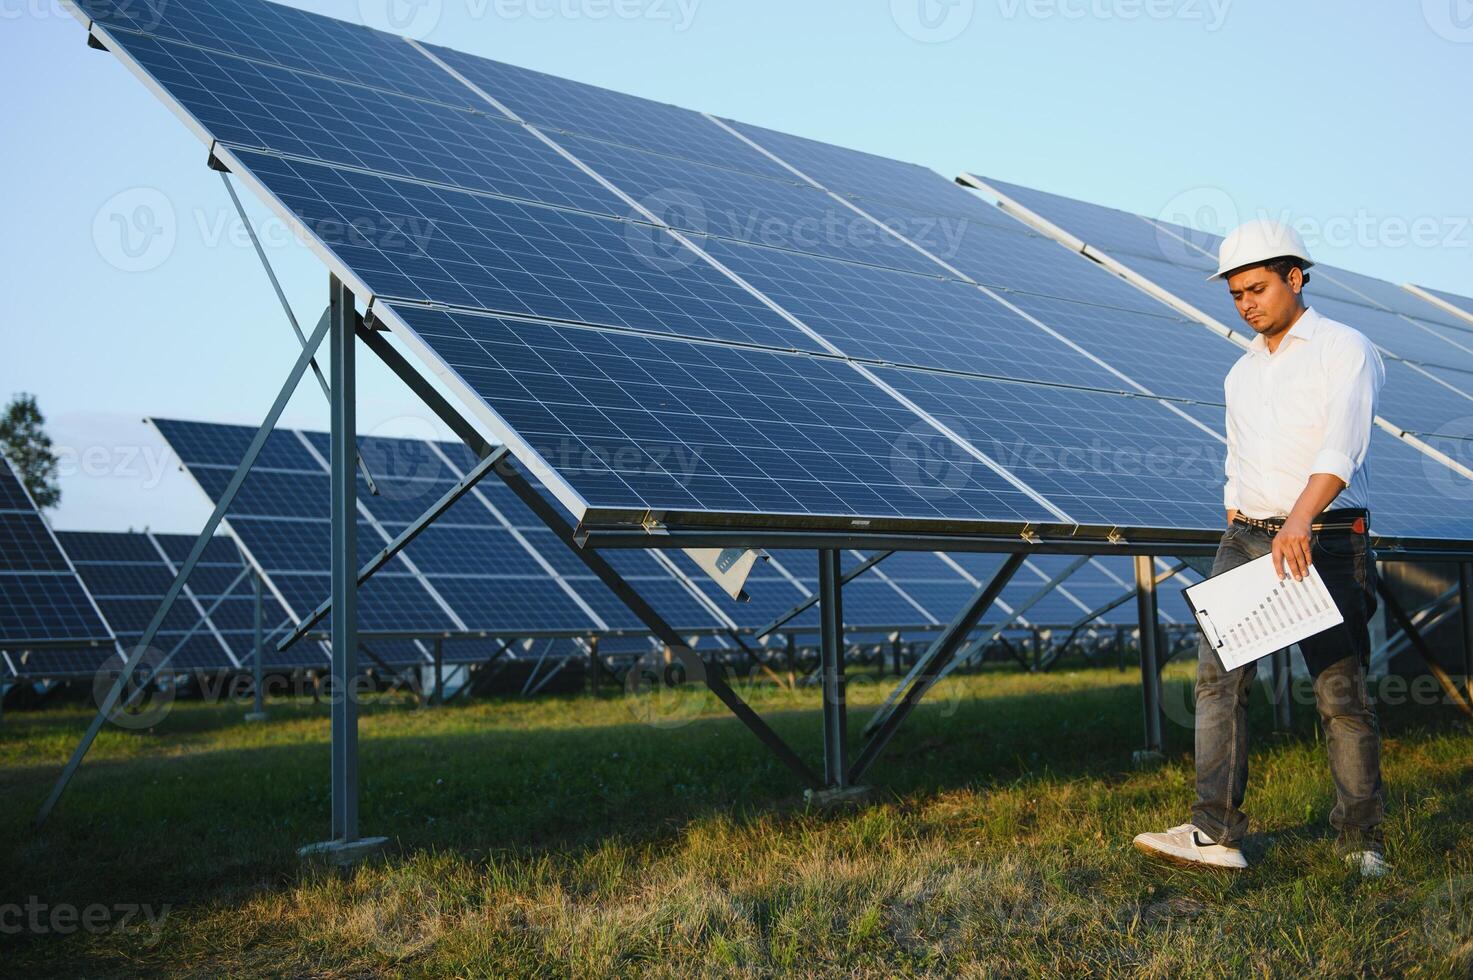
{"points": [[1248, 612]]}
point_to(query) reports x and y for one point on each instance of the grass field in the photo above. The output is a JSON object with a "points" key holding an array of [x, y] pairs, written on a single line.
{"points": [[565, 837]]}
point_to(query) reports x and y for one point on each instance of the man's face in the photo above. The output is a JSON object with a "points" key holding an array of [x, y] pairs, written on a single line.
{"points": [[1265, 301]]}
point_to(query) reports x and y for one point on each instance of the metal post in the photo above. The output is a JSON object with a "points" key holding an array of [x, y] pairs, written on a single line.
{"points": [[226, 498], [258, 709], [344, 567], [1465, 602], [1283, 690], [1145, 582], [439, 696], [831, 671], [593, 665], [896, 649], [792, 646]]}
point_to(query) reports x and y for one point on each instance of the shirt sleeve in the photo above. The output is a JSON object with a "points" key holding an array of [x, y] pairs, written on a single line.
{"points": [[1355, 377], [1230, 499]]}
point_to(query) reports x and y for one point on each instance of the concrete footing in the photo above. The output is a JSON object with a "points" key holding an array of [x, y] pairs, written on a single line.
{"points": [[1146, 759], [825, 799], [343, 853]]}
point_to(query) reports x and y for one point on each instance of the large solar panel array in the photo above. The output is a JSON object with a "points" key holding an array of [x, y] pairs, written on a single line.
{"points": [[720, 327], [1420, 497], [43, 604]]}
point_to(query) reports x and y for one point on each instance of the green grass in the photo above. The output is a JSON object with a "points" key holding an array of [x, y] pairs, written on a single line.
{"points": [[565, 837]]}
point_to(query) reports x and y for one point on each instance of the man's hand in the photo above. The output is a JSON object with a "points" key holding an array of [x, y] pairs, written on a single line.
{"points": [[1292, 547], [1232, 516]]}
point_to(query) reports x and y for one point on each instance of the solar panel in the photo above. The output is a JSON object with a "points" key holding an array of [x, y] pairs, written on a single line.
{"points": [[735, 378], [249, 104], [129, 573], [1462, 307], [42, 601], [484, 565], [660, 424]]}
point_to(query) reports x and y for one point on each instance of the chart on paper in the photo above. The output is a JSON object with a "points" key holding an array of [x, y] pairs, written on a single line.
{"points": [[1249, 612]]}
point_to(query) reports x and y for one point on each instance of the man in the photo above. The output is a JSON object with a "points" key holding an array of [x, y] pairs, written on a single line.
{"points": [[1299, 413]]}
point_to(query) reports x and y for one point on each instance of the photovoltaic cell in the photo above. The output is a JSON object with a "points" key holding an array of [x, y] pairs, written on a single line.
{"points": [[670, 425], [41, 598], [744, 207], [250, 104], [435, 244], [901, 318], [287, 37], [1130, 460], [562, 104]]}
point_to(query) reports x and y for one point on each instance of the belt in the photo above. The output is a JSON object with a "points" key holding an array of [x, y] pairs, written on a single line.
{"points": [[1352, 519]]}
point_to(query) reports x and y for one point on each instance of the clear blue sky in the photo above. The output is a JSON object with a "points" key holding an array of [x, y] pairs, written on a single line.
{"points": [[1358, 121]]}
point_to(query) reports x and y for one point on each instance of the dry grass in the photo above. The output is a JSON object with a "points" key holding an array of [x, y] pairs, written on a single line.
{"points": [[563, 838]]}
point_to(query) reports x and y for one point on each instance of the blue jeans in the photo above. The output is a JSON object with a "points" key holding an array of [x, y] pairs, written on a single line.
{"points": [[1337, 660]]}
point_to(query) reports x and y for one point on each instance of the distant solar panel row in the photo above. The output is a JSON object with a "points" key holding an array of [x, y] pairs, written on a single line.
{"points": [[43, 604]]}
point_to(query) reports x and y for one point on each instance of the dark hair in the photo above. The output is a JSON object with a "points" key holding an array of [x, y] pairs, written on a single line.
{"points": [[1283, 264]]}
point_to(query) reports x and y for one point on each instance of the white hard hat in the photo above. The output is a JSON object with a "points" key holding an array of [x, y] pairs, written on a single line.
{"points": [[1257, 241]]}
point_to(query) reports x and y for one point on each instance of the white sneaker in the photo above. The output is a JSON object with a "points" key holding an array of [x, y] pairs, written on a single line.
{"points": [[1186, 845], [1370, 863]]}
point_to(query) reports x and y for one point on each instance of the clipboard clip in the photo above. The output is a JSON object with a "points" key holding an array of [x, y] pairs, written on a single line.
{"points": [[1208, 629]]}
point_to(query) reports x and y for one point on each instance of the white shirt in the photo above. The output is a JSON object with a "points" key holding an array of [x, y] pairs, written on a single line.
{"points": [[1303, 409]]}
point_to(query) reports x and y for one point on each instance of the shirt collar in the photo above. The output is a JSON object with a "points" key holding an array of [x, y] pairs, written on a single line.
{"points": [[1304, 329]]}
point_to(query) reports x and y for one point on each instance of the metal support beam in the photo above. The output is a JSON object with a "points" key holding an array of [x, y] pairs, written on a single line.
{"points": [[1419, 643], [1145, 596], [831, 671], [595, 562], [812, 600], [343, 439], [258, 694], [1283, 690], [204, 620], [1465, 605], [439, 695], [930, 666], [227, 497], [401, 541]]}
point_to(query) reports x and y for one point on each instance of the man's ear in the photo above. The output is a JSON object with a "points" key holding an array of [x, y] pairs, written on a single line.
{"points": [[1296, 280]]}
